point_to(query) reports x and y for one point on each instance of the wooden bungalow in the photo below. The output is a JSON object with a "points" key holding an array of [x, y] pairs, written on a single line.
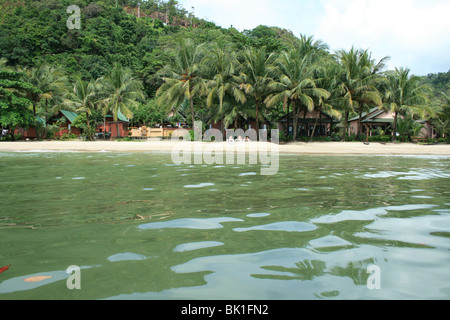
{"points": [[65, 119], [372, 121], [243, 124], [428, 130], [305, 123], [29, 133], [115, 129]]}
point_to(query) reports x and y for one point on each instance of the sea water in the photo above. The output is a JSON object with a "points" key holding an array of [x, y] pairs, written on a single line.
{"points": [[140, 227]]}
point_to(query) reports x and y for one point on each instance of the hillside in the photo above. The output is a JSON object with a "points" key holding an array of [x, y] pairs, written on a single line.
{"points": [[118, 32], [35, 30]]}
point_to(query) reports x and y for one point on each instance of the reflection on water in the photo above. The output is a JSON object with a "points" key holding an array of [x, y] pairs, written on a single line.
{"points": [[149, 229], [211, 223]]}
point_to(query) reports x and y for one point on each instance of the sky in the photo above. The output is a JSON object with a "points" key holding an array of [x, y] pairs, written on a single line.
{"points": [[415, 34]]}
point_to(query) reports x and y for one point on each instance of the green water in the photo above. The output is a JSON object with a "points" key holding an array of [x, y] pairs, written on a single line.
{"points": [[140, 227]]}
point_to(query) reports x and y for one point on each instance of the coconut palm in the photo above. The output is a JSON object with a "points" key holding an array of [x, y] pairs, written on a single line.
{"points": [[404, 94], [295, 84], [441, 121], [358, 81], [51, 81], [182, 77], [308, 46], [327, 79], [222, 87], [255, 78], [84, 98], [120, 90]]}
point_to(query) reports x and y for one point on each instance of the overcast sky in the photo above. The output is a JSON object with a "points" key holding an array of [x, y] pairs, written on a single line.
{"points": [[413, 33]]}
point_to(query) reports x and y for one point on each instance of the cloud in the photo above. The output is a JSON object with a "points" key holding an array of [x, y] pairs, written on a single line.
{"points": [[414, 33]]}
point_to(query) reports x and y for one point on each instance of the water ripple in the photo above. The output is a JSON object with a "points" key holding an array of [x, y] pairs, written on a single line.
{"points": [[289, 226], [189, 223], [369, 214]]}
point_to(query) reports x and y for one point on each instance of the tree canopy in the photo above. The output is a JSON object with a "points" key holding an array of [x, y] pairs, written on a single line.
{"points": [[140, 52]]}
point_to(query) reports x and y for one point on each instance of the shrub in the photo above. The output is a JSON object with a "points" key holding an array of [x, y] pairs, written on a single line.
{"points": [[384, 138], [68, 136]]}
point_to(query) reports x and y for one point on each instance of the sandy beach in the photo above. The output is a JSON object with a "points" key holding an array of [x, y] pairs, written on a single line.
{"points": [[323, 148]]}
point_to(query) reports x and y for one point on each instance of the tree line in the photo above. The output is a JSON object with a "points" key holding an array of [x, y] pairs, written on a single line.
{"points": [[304, 77], [146, 69]]}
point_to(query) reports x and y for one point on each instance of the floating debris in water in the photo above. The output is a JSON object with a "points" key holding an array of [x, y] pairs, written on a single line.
{"points": [[3, 269], [37, 278]]}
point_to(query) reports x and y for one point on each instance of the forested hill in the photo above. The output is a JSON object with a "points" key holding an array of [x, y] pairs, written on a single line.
{"points": [[35, 30], [112, 32]]}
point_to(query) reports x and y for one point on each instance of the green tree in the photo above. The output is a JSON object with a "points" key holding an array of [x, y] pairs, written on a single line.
{"points": [[255, 78], [182, 77], [14, 104], [295, 84], [120, 91], [404, 94], [358, 80], [326, 79], [408, 128], [148, 114], [222, 85], [52, 83], [441, 118], [84, 98]]}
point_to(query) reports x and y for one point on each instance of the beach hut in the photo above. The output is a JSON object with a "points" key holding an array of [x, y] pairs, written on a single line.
{"points": [[65, 119], [29, 133], [306, 122], [115, 129], [375, 119]]}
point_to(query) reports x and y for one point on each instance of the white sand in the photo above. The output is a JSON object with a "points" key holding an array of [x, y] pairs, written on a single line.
{"points": [[324, 148]]}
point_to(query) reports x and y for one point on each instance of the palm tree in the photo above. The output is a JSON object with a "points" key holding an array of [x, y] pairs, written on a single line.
{"points": [[120, 90], [182, 77], [255, 79], [441, 120], [404, 94], [295, 84], [308, 46], [358, 81], [51, 81], [222, 86], [326, 78], [84, 98], [232, 112]]}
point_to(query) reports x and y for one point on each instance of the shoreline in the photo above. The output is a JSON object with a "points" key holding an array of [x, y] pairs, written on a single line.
{"points": [[301, 148]]}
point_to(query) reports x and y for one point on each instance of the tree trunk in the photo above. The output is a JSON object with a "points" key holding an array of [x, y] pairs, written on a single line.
{"points": [[192, 112], [394, 130], [257, 120], [222, 125], [287, 130], [345, 126], [12, 129], [45, 113], [295, 120], [305, 111], [320, 123], [314, 129], [88, 126], [359, 124]]}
